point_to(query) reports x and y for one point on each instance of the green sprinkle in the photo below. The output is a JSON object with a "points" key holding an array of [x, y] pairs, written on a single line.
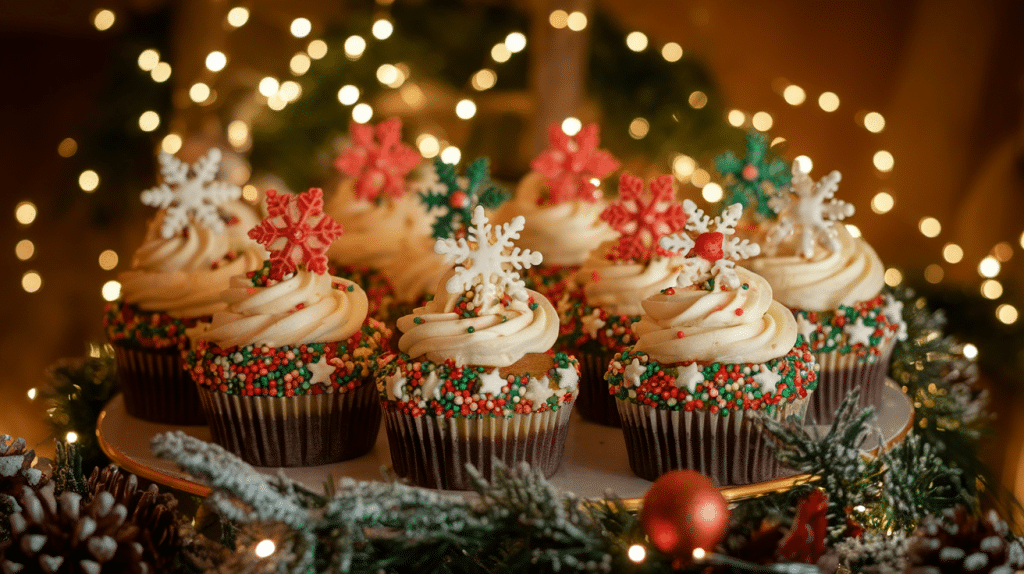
{"points": [[471, 330], [417, 320], [351, 288]]}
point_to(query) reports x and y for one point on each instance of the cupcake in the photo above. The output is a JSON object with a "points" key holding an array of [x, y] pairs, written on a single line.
{"points": [[284, 372], [597, 316], [714, 353], [561, 202], [833, 284], [190, 252], [475, 379]]}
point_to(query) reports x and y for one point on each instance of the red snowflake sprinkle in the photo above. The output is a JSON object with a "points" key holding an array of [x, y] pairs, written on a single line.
{"points": [[379, 163], [296, 233], [641, 221], [572, 162]]}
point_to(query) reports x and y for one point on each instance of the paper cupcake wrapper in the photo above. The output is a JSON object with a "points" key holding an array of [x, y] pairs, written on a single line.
{"points": [[304, 430], [733, 450], [840, 374], [594, 401], [433, 451], [156, 386]]}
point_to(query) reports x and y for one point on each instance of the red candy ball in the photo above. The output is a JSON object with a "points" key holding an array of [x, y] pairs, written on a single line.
{"points": [[682, 511], [458, 200]]}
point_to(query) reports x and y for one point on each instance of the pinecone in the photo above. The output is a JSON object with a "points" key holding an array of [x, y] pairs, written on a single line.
{"points": [[962, 542], [16, 467], [150, 510]]}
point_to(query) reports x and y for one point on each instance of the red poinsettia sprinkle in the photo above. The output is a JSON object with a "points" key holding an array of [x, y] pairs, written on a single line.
{"points": [[378, 159], [642, 220], [572, 163], [296, 232]]}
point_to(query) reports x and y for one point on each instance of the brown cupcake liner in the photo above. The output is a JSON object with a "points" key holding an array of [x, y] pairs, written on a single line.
{"points": [[156, 386], [433, 451], [594, 401], [304, 430], [840, 374], [732, 450]]}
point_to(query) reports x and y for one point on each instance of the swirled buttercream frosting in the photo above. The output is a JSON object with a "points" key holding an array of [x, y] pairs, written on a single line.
{"points": [[372, 231], [618, 287]]}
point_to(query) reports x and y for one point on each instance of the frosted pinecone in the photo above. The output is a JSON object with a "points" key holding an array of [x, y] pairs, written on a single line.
{"points": [[150, 510], [16, 467], [960, 542]]}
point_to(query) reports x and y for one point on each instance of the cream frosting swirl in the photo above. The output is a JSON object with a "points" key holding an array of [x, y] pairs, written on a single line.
{"points": [[437, 332], [372, 232], [564, 232], [618, 287], [184, 275], [415, 270], [743, 325], [302, 308], [848, 275]]}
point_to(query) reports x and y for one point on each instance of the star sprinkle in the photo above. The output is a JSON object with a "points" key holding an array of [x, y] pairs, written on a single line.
{"points": [[804, 211], [893, 311], [491, 382], [457, 199], [184, 198], [858, 332], [805, 328], [768, 379], [710, 254], [572, 164], [633, 372], [592, 323], [296, 233], [755, 177], [689, 376], [378, 160], [494, 266], [320, 372], [431, 386], [396, 385], [642, 220]]}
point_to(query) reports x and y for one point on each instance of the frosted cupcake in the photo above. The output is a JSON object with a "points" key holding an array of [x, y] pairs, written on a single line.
{"points": [[190, 252], [285, 370], [833, 284], [562, 204], [714, 353], [597, 316], [475, 379]]}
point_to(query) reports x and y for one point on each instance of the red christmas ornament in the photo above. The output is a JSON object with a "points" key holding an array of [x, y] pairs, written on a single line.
{"points": [[684, 510], [805, 541], [709, 245]]}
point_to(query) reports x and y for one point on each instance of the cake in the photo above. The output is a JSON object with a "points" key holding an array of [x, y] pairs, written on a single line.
{"points": [[285, 370], [833, 284], [598, 314], [474, 379], [713, 354], [561, 203], [190, 252]]}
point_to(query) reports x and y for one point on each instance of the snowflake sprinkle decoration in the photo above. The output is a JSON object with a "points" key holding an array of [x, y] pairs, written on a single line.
{"points": [[494, 264], [755, 177], [456, 197], [296, 232], [641, 221], [711, 255], [572, 164], [806, 212], [197, 197], [378, 160]]}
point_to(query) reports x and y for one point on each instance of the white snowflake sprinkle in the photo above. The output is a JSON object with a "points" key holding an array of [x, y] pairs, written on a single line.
{"points": [[320, 372], [804, 210], [711, 255], [493, 270], [689, 376], [858, 332], [491, 382], [183, 198], [768, 379]]}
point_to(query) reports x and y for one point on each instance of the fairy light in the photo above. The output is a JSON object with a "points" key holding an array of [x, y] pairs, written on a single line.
{"points": [[697, 100], [1002, 251], [103, 19], [882, 202], [683, 166], [382, 29], [736, 118], [32, 394], [299, 64], [67, 147], [362, 113], [636, 41], [199, 92], [387, 74], [991, 289], [148, 59], [794, 95], [637, 553], [428, 145], [161, 73], [317, 49], [638, 128], [171, 143], [354, 47], [804, 162], [853, 230], [269, 86], [883, 161], [777, 141], [484, 80], [238, 16], [700, 178], [712, 192], [300, 27], [699, 553], [934, 273], [412, 95], [874, 122], [1007, 314], [465, 109], [1022, 240], [952, 253], [989, 267], [265, 548], [276, 102], [250, 193], [24, 249], [72, 436], [290, 91], [25, 212], [929, 227], [571, 126], [893, 277], [672, 52], [238, 133], [576, 21], [88, 180], [970, 351], [451, 155], [762, 121], [111, 291], [216, 60], [500, 53], [828, 102], [348, 95], [108, 260], [515, 42], [31, 282], [558, 19]]}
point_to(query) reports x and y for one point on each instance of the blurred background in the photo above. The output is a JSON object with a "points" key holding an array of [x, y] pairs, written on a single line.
{"points": [[918, 104]]}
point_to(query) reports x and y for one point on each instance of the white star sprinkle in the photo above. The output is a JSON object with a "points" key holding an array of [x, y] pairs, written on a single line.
{"points": [[431, 386], [768, 379], [858, 332], [394, 386], [592, 323], [568, 379], [633, 372], [893, 311], [689, 376], [805, 328], [491, 382], [320, 372], [538, 391]]}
